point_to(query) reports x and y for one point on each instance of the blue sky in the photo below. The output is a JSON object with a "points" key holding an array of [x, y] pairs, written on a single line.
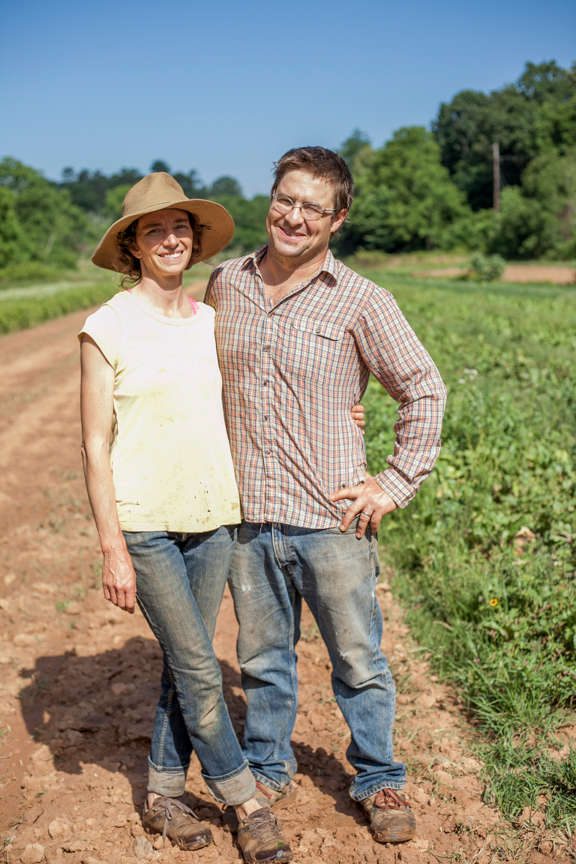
{"points": [[226, 87]]}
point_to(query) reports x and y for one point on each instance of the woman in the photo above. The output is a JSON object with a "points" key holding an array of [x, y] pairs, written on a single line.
{"points": [[161, 486]]}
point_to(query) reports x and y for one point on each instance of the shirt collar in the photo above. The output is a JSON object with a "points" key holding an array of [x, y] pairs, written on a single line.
{"points": [[252, 260], [330, 265]]}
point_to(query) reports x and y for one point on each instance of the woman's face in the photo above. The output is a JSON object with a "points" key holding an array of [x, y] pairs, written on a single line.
{"points": [[163, 243]]}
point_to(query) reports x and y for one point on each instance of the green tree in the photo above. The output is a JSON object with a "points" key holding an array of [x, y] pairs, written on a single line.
{"points": [[539, 218], [469, 125], [249, 218], [114, 201], [51, 227], [87, 190], [536, 113], [160, 165], [544, 82], [225, 186], [68, 175], [405, 198], [13, 245], [550, 182], [191, 184], [18, 177], [356, 151]]}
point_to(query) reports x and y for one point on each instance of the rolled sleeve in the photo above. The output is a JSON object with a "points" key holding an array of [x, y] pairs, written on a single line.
{"points": [[395, 356]]}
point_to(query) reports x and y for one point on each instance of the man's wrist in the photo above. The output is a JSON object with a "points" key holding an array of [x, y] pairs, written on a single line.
{"points": [[395, 487]]}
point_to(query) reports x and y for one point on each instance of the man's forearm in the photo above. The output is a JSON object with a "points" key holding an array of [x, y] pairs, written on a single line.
{"points": [[417, 445]]}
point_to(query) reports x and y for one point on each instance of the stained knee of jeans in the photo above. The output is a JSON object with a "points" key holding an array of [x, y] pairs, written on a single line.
{"points": [[212, 716], [358, 671], [267, 662]]}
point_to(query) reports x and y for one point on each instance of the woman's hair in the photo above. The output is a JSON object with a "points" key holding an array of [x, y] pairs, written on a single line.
{"points": [[320, 162], [126, 241]]}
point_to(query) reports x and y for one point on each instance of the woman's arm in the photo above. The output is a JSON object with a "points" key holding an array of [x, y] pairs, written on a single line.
{"points": [[96, 409]]}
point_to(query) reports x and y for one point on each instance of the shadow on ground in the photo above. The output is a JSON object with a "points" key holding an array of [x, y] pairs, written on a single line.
{"points": [[99, 709]]}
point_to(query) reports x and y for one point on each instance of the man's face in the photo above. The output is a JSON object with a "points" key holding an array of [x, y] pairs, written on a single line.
{"points": [[291, 236]]}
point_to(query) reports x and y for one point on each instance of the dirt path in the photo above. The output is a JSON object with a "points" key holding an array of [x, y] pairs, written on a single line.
{"points": [[555, 274], [78, 681]]}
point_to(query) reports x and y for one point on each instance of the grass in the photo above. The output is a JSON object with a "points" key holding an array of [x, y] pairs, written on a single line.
{"points": [[25, 305], [485, 556]]}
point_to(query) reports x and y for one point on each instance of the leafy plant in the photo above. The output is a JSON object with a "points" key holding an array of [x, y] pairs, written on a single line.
{"points": [[486, 555], [486, 268]]}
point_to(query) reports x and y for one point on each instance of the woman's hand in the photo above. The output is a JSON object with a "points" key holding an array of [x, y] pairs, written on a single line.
{"points": [[119, 578], [359, 416]]}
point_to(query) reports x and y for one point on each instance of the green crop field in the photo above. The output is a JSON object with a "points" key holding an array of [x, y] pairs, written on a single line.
{"points": [[29, 304], [485, 555]]}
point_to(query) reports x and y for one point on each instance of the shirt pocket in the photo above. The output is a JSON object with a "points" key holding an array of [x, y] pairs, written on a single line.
{"points": [[312, 349]]}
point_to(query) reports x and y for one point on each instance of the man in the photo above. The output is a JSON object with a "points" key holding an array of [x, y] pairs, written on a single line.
{"points": [[298, 335]]}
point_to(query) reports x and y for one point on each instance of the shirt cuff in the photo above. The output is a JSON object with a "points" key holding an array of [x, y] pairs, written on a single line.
{"points": [[399, 490]]}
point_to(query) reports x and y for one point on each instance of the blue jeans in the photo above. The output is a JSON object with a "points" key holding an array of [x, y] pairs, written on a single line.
{"points": [[180, 579], [275, 567]]}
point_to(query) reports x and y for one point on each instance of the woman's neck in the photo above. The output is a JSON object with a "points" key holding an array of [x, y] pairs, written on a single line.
{"points": [[168, 298]]}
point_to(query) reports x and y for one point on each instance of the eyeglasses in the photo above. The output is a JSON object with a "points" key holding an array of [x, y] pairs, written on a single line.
{"points": [[284, 204]]}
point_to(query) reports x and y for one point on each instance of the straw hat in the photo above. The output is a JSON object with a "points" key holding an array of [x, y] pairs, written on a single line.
{"points": [[160, 191]]}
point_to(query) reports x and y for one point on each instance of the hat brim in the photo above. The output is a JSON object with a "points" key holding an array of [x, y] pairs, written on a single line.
{"points": [[217, 231]]}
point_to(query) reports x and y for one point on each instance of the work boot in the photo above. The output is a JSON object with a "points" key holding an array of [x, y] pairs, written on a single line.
{"points": [[260, 839], [173, 819], [391, 817]]}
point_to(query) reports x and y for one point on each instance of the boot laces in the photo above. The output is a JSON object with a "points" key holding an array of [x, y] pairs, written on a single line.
{"points": [[389, 798], [172, 807], [263, 827]]}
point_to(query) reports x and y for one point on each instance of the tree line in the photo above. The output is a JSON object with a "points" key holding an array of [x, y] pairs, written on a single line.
{"points": [[495, 173]]}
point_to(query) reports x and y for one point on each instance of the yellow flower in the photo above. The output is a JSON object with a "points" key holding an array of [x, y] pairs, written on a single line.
{"points": [[494, 601]]}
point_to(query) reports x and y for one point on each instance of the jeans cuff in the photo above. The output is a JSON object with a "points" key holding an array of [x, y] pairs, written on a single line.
{"points": [[171, 783], [270, 784], [233, 789], [361, 796]]}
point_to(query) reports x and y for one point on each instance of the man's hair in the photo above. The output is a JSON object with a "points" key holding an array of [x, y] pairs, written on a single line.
{"points": [[320, 162]]}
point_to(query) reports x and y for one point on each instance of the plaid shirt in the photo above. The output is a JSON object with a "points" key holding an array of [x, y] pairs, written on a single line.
{"points": [[291, 373]]}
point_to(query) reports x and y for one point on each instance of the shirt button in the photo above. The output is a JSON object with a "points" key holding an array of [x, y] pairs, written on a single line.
{"points": [[264, 383], [266, 347]]}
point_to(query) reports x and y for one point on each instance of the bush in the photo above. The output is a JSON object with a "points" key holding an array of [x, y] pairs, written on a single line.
{"points": [[486, 268], [474, 231]]}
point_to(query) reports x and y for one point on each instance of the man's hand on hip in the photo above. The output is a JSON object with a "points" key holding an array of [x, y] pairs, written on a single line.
{"points": [[369, 502]]}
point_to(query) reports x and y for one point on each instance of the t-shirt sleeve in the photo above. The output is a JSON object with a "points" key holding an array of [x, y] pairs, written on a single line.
{"points": [[103, 326]]}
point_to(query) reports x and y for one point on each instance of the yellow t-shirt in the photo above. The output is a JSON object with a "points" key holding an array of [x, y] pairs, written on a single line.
{"points": [[170, 455]]}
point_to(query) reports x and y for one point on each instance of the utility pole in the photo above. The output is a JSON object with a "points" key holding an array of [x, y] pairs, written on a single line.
{"points": [[496, 176]]}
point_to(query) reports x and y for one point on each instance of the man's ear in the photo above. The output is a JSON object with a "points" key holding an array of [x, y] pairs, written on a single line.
{"points": [[338, 221]]}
